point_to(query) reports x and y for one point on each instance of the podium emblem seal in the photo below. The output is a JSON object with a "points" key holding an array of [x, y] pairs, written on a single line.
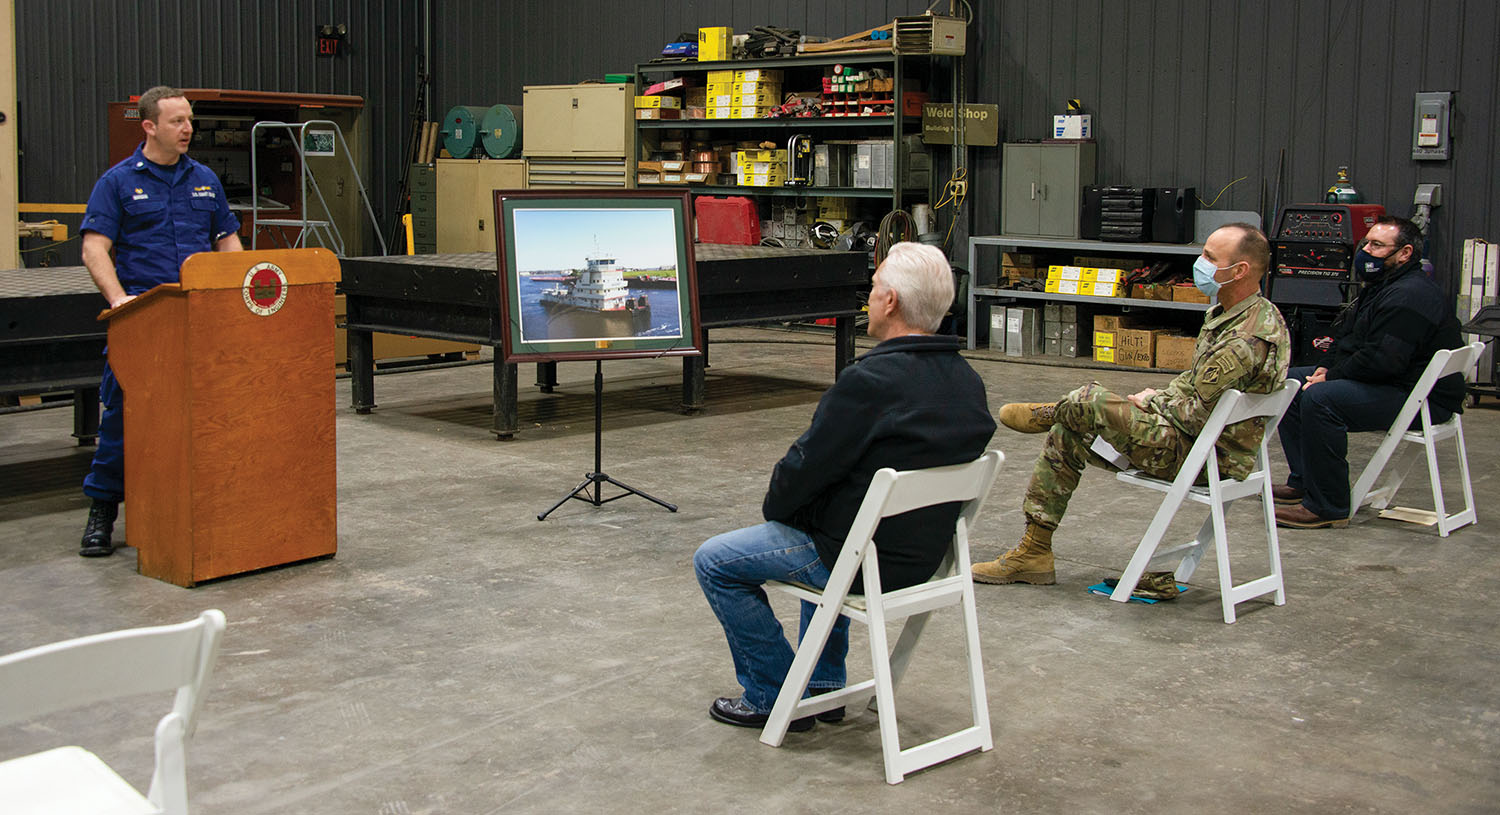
{"points": [[264, 289]]}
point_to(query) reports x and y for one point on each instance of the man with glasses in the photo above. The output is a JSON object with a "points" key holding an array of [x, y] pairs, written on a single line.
{"points": [[1382, 343]]}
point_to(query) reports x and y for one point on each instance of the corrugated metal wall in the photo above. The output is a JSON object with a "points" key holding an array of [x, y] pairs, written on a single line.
{"points": [[76, 56], [1184, 92]]}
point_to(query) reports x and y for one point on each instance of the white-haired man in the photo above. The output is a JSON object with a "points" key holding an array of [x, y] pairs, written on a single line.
{"points": [[911, 402]]}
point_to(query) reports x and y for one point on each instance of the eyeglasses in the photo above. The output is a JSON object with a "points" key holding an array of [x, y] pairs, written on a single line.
{"points": [[1374, 244]]}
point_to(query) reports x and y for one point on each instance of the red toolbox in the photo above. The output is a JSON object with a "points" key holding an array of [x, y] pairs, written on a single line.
{"points": [[727, 220]]}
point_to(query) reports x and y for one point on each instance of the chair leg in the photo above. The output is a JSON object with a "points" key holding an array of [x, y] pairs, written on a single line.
{"points": [[797, 677], [1221, 553], [905, 644], [1147, 547], [1470, 513], [1273, 541], [979, 701], [1430, 448], [885, 696], [1194, 556], [1397, 476]]}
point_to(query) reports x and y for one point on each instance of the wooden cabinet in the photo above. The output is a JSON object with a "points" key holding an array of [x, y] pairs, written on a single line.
{"points": [[465, 200], [1041, 188]]}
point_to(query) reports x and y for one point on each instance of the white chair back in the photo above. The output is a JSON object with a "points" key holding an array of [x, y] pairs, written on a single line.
{"points": [[1233, 407], [118, 664], [1445, 362], [893, 493]]}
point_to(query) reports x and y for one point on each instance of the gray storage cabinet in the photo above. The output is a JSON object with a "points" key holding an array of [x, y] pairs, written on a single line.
{"points": [[1041, 188]]}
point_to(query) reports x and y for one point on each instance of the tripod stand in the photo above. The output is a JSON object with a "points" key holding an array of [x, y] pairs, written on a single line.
{"points": [[598, 478]]}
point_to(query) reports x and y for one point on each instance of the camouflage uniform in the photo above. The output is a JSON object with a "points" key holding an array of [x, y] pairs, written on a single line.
{"points": [[1245, 348]]}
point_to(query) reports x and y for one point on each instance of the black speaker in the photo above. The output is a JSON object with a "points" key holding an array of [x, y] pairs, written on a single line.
{"points": [[1090, 214], [1172, 218]]}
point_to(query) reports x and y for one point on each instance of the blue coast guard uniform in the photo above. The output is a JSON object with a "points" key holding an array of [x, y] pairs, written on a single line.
{"points": [[156, 216]]}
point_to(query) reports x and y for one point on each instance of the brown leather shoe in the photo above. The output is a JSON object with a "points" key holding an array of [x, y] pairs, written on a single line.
{"points": [[1285, 495], [1300, 517], [1029, 417]]}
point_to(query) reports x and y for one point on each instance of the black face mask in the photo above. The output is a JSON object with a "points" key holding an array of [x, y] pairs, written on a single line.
{"points": [[1368, 267]]}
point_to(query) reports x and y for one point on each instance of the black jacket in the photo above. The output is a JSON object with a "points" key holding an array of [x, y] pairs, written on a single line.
{"points": [[910, 403], [1391, 331]]}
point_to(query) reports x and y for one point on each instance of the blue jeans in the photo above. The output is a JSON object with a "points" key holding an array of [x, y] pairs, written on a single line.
{"points": [[1315, 435], [731, 569]]}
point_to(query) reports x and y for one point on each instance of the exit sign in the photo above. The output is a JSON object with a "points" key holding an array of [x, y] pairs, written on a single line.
{"points": [[331, 40]]}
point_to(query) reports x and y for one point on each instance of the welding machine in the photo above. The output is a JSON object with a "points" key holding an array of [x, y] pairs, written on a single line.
{"points": [[1312, 252], [1312, 269]]}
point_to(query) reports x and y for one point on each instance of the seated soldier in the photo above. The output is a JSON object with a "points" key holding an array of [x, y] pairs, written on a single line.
{"points": [[1243, 346]]}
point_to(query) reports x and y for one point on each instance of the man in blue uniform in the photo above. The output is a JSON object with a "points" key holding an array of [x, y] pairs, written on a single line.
{"points": [[152, 210]]}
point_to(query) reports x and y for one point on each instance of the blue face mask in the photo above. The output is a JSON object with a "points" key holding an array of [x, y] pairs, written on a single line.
{"points": [[1203, 276]]}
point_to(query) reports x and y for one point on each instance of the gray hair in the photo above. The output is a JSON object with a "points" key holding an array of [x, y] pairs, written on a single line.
{"points": [[923, 282]]}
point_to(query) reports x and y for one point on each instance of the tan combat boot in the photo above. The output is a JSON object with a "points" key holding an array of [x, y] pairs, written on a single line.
{"points": [[1030, 562], [1029, 417]]}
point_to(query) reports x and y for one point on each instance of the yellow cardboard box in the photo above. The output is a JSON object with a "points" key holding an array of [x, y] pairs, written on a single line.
{"points": [[718, 77], [1104, 354], [714, 44], [1099, 288], [759, 75], [1060, 286], [657, 102]]}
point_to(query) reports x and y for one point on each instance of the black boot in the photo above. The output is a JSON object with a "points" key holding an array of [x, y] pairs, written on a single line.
{"points": [[101, 526]]}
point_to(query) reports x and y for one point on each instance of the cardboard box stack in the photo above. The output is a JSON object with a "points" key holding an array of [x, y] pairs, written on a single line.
{"points": [[1106, 334], [760, 168], [1085, 280], [745, 94]]}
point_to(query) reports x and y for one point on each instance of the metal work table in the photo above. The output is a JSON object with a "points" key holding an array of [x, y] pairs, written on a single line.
{"points": [[50, 339], [457, 297]]}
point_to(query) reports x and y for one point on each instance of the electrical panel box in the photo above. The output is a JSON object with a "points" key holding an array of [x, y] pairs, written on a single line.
{"points": [[1430, 117]]}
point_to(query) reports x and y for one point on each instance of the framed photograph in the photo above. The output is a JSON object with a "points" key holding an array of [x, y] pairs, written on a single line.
{"points": [[594, 274]]}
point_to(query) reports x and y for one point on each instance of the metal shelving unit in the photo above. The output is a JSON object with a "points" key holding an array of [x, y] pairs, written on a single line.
{"points": [[896, 125], [1022, 242]]}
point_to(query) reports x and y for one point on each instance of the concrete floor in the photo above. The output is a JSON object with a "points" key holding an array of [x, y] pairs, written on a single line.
{"points": [[458, 656]]}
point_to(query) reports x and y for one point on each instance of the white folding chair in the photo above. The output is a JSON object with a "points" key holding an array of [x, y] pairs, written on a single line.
{"points": [[1233, 407], [892, 493], [1444, 363], [92, 669]]}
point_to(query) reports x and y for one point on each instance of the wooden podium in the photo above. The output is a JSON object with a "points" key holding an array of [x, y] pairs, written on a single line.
{"points": [[229, 414]]}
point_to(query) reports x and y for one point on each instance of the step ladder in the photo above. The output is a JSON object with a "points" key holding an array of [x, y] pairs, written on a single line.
{"points": [[322, 229]]}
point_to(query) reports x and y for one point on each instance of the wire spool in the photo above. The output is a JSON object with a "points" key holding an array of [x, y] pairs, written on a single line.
{"points": [[500, 131], [460, 129], [705, 166]]}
